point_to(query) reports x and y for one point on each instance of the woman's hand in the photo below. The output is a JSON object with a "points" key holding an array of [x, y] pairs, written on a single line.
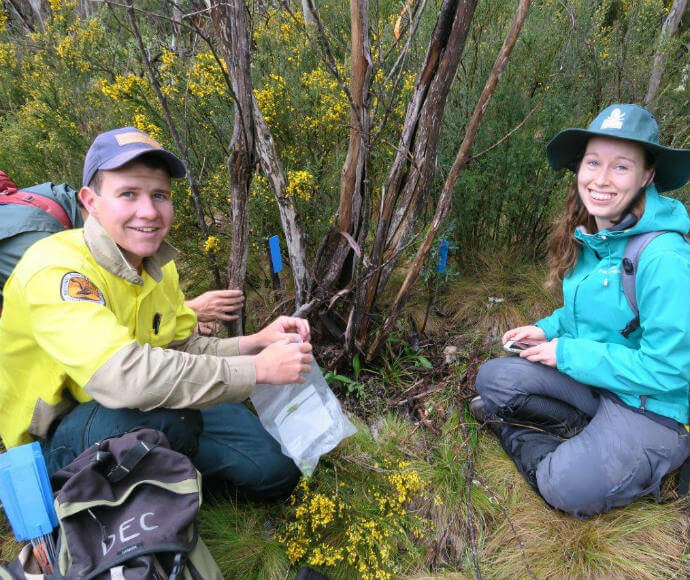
{"points": [[544, 353], [217, 305], [532, 334]]}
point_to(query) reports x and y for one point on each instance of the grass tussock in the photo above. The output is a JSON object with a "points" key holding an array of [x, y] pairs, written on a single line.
{"points": [[241, 537], [9, 548], [644, 540], [495, 293]]}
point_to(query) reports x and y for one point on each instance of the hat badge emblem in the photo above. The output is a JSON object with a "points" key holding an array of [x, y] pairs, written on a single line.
{"points": [[614, 120]]}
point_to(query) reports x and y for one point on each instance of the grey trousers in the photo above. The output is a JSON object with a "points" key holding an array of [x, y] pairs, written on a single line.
{"points": [[619, 456]]}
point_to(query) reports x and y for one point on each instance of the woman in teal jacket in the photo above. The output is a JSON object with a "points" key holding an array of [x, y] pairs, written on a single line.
{"points": [[610, 409]]}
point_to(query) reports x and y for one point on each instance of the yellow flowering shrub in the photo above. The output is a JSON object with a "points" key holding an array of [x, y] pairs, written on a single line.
{"points": [[212, 245], [300, 185], [273, 98], [359, 528], [206, 78]]}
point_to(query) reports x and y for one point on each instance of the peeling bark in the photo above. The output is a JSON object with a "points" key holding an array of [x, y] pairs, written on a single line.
{"points": [[462, 158], [354, 185], [668, 29], [295, 237], [413, 166], [230, 22]]}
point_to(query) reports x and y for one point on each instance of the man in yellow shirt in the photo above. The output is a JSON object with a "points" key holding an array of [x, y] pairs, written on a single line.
{"points": [[95, 338]]}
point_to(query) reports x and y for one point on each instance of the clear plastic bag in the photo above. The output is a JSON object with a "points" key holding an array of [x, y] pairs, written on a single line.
{"points": [[305, 419]]}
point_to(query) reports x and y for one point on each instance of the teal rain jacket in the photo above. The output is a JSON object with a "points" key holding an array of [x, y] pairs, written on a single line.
{"points": [[654, 361]]}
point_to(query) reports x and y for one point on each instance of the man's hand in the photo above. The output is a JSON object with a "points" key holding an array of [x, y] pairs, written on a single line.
{"points": [[544, 353], [282, 328], [206, 328], [532, 334], [217, 305], [283, 362]]}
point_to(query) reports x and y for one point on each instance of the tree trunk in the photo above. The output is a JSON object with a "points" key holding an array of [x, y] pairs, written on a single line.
{"points": [[229, 19], [413, 166], [668, 29], [354, 174], [292, 226], [307, 12], [461, 160]]}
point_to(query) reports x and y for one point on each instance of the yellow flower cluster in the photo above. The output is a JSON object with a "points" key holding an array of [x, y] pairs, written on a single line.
{"points": [[143, 123], [206, 77], [7, 55], [217, 186], [278, 25], [78, 42], [3, 20], [59, 7], [300, 185], [330, 529], [168, 78], [212, 245], [272, 98], [331, 108], [124, 87], [260, 190]]}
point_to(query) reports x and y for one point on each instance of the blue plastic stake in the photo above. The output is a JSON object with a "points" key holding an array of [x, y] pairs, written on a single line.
{"points": [[25, 492], [276, 259], [442, 256]]}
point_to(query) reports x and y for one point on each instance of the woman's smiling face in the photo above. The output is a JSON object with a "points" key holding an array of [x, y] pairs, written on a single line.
{"points": [[611, 174]]}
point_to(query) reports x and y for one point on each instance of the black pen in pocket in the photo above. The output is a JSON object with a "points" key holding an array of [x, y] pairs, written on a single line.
{"points": [[157, 322]]}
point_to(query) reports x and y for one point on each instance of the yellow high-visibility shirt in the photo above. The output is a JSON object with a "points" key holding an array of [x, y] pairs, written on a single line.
{"points": [[72, 330]]}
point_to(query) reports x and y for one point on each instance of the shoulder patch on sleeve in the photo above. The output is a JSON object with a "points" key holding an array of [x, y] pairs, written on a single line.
{"points": [[76, 287]]}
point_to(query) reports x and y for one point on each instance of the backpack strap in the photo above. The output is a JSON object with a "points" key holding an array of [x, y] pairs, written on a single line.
{"points": [[46, 204], [129, 460], [631, 259]]}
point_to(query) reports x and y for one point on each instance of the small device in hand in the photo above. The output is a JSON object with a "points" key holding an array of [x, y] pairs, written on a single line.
{"points": [[515, 346]]}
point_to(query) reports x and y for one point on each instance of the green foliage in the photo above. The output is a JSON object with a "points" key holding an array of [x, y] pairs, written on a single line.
{"points": [[354, 386], [571, 60], [80, 72]]}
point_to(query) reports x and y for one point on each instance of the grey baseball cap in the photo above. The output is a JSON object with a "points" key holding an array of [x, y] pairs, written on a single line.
{"points": [[118, 147]]}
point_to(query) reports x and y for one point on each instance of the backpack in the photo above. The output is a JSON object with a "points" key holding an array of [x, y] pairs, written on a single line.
{"points": [[127, 510], [41, 201], [631, 259]]}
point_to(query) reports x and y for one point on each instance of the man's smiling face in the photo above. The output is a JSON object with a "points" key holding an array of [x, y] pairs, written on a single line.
{"points": [[133, 204]]}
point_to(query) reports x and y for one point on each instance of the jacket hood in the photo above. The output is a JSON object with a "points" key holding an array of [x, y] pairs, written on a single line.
{"points": [[662, 213]]}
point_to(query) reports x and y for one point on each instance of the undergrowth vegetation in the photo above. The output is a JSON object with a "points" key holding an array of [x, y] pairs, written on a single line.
{"points": [[421, 491], [392, 500]]}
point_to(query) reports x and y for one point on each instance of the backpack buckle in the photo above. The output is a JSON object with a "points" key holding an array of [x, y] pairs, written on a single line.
{"points": [[178, 565]]}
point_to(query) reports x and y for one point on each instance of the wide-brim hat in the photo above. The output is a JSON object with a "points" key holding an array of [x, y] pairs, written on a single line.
{"points": [[113, 149], [631, 123]]}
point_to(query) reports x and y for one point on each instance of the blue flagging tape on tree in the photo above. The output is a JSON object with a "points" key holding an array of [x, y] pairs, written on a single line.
{"points": [[442, 257], [276, 259], [25, 492]]}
